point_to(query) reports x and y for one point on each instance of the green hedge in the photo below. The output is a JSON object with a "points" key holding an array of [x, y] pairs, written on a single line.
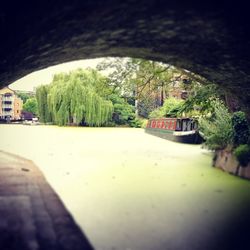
{"points": [[242, 153], [240, 128]]}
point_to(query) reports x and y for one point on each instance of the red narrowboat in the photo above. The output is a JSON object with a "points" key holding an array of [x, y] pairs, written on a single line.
{"points": [[183, 130]]}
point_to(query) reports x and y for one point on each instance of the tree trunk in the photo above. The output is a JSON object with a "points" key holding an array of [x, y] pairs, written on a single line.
{"points": [[162, 94]]}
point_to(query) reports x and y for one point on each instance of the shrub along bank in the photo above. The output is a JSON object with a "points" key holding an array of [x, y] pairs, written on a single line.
{"points": [[226, 133], [231, 142]]}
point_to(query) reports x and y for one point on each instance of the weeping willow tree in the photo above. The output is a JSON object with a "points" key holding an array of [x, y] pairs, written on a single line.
{"points": [[43, 111], [79, 97]]}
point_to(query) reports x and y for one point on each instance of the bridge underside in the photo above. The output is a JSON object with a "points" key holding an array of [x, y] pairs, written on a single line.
{"points": [[207, 38]]}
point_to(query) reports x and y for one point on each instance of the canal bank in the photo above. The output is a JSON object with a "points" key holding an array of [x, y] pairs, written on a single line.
{"points": [[130, 190], [32, 215]]}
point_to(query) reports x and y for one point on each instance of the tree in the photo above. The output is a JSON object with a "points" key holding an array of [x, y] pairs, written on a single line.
{"points": [[202, 99], [124, 113], [31, 106], [42, 101], [147, 81], [24, 95], [152, 83], [79, 98], [121, 71]]}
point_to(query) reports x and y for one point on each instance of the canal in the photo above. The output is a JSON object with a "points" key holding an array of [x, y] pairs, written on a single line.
{"points": [[128, 190]]}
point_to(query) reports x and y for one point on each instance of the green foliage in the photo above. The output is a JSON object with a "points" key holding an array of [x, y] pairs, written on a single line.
{"points": [[124, 113], [152, 83], [121, 73], [146, 81], [217, 130], [242, 153], [136, 123], [170, 108], [157, 113], [240, 128], [202, 99], [139, 123], [42, 101], [31, 106], [144, 123], [79, 98], [24, 96]]}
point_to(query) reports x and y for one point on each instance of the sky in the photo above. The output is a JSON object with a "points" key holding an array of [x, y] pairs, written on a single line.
{"points": [[45, 76]]}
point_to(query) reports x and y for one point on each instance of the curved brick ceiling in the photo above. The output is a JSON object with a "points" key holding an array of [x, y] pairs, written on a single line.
{"points": [[206, 37]]}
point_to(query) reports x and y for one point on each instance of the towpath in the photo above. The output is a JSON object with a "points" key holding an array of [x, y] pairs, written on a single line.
{"points": [[32, 216]]}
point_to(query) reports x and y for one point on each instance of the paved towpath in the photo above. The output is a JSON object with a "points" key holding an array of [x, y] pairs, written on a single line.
{"points": [[32, 217]]}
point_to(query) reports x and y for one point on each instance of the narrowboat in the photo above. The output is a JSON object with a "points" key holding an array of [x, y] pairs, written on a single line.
{"points": [[183, 130]]}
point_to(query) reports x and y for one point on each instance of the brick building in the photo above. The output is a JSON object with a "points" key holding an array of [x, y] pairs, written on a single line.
{"points": [[10, 104], [177, 87]]}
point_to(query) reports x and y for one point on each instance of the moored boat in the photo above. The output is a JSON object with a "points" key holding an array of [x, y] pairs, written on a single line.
{"points": [[183, 130]]}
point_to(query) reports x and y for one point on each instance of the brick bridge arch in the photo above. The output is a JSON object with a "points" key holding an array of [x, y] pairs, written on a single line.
{"points": [[208, 38]]}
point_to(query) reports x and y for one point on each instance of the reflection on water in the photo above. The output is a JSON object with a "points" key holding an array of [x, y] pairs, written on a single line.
{"points": [[130, 190]]}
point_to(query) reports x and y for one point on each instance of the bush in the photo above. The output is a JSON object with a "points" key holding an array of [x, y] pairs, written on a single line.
{"points": [[157, 113], [139, 123], [109, 124], [170, 108], [144, 123], [124, 113], [242, 153], [217, 130], [240, 128], [31, 106], [135, 123]]}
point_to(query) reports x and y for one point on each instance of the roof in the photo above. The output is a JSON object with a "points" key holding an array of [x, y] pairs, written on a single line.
{"points": [[5, 88]]}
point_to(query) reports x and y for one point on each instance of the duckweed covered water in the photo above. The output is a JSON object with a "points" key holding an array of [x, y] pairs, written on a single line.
{"points": [[130, 190]]}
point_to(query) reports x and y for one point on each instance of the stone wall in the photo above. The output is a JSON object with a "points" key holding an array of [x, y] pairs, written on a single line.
{"points": [[225, 160]]}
